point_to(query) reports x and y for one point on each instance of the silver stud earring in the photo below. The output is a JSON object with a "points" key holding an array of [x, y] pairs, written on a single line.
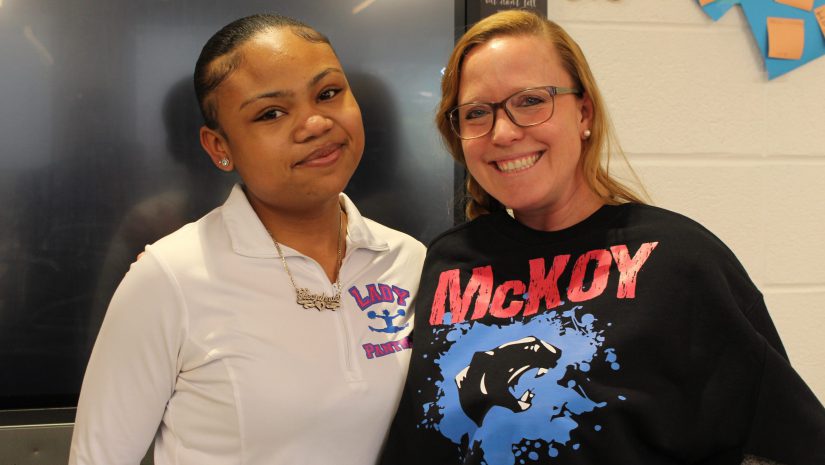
{"points": [[224, 162], [586, 134]]}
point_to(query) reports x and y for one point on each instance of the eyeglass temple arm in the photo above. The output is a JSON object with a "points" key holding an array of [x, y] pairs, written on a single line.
{"points": [[565, 90]]}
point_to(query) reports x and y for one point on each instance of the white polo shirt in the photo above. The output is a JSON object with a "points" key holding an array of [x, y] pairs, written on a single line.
{"points": [[204, 349]]}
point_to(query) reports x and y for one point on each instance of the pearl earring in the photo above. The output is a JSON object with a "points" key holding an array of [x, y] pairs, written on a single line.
{"points": [[586, 134], [224, 162]]}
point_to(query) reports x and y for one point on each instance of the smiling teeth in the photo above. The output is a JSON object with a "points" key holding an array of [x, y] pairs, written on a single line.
{"points": [[519, 164]]}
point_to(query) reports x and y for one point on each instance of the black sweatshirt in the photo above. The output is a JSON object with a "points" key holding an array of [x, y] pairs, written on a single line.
{"points": [[633, 337]]}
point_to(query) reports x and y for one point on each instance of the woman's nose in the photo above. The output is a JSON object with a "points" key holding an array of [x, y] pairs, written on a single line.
{"points": [[314, 125], [504, 130]]}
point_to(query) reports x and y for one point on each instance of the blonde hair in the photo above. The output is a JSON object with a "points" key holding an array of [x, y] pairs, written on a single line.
{"points": [[602, 141]]}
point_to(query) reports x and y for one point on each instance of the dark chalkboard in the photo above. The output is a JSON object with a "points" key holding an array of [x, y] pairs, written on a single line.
{"points": [[100, 153]]}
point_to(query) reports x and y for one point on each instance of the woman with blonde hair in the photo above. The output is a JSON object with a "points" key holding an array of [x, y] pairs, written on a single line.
{"points": [[568, 322]]}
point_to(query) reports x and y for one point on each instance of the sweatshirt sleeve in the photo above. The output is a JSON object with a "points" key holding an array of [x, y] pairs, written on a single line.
{"points": [[758, 316], [750, 399], [132, 370], [788, 423]]}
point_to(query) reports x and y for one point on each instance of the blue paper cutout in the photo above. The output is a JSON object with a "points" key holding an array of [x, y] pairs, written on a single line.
{"points": [[757, 13], [718, 8]]}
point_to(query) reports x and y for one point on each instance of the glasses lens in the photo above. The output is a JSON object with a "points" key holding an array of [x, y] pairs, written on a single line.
{"points": [[472, 120], [530, 107]]}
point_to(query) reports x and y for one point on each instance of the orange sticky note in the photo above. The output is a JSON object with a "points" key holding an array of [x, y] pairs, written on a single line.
{"points": [[786, 38], [801, 4], [705, 2], [820, 17]]}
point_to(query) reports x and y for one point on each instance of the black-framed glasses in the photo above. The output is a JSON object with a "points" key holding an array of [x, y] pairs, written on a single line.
{"points": [[525, 108]]}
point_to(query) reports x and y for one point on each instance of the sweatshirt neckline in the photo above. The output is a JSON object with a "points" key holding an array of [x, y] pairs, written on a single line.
{"points": [[598, 220]]}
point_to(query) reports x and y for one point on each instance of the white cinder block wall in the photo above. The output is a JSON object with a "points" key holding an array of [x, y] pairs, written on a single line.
{"points": [[712, 138]]}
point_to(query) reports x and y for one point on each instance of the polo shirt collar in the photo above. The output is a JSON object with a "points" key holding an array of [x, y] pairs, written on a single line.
{"points": [[249, 237]]}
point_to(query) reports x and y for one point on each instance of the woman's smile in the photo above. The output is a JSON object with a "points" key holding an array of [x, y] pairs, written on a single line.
{"points": [[519, 163], [323, 156]]}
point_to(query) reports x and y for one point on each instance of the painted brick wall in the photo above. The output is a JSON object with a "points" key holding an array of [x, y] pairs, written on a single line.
{"points": [[712, 138]]}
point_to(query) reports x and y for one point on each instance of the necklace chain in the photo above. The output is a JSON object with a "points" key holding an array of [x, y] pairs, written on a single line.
{"points": [[307, 298]]}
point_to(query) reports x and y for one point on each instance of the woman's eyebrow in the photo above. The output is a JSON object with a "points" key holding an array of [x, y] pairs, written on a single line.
{"points": [[322, 75], [271, 94], [289, 93]]}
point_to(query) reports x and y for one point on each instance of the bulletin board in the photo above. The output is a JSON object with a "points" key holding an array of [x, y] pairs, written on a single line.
{"points": [[789, 33]]}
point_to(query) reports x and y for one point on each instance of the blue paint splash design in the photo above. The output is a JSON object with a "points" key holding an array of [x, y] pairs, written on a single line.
{"points": [[559, 399]]}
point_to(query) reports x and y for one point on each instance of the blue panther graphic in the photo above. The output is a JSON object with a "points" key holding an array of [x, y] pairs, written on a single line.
{"points": [[535, 369]]}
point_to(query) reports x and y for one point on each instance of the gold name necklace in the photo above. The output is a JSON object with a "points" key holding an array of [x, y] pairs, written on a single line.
{"points": [[307, 298]]}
